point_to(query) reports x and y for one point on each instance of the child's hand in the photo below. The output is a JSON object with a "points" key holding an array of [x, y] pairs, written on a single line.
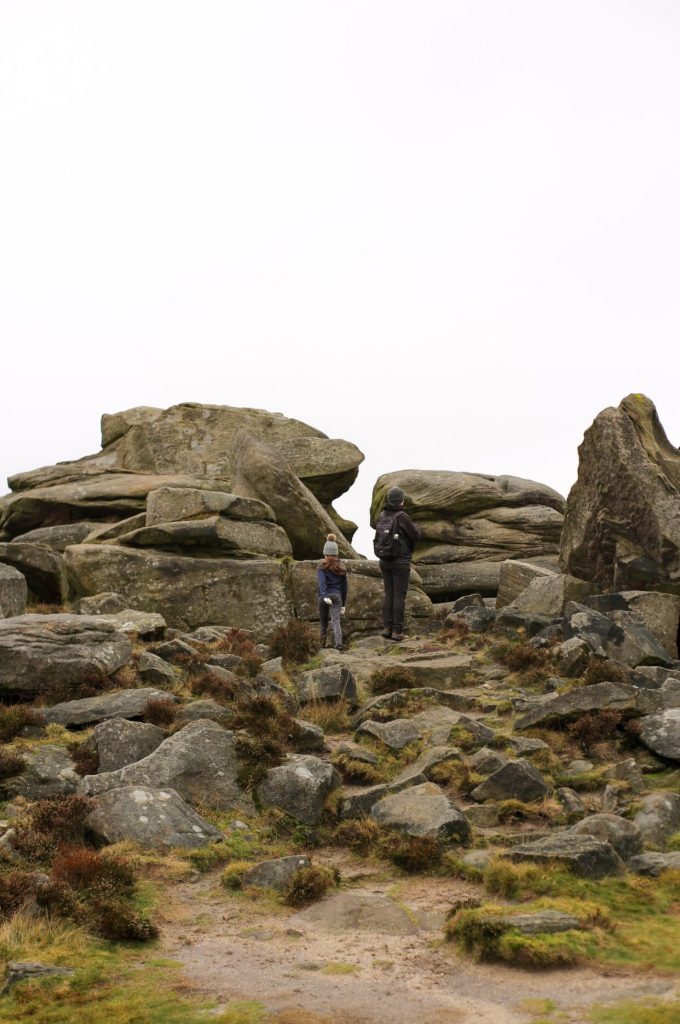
{"points": [[342, 611], [327, 600]]}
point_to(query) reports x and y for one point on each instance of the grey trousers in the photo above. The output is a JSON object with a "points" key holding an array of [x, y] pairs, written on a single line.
{"points": [[332, 611]]}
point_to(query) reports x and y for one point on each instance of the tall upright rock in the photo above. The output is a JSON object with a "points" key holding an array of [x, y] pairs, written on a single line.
{"points": [[622, 524]]}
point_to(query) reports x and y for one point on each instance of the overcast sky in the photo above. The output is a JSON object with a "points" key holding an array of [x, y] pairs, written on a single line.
{"points": [[447, 230]]}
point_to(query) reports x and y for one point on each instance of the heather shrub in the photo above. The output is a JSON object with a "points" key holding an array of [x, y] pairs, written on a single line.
{"points": [[216, 685], [594, 727], [391, 678], [601, 670], [519, 655], [16, 717], [295, 642], [11, 764], [160, 711], [308, 885], [414, 854], [15, 888], [51, 823], [85, 759]]}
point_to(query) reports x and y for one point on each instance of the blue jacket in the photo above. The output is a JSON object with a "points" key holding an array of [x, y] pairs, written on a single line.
{"points": [[330, 583]]}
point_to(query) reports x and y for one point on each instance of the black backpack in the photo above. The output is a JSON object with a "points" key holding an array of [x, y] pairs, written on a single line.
{"points": [[386, 543]]}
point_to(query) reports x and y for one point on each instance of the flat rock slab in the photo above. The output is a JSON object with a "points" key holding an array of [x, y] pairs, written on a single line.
{"points": [[423, 810], [652, 864], [661, 733], [156, 818], [584, 855], [129, 622], [39, 651], [173, 504], [408, 702], [544, 922], [443, 673], [346, 912], [214, 535], [17, 971], [274, 874], [620, 833], [569, 705], [199, 761], [396, 734], [121, 704]]}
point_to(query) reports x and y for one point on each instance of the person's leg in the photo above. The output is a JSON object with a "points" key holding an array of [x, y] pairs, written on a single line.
{"points": [[386, 571], [335, 620], [400, 586], [323, 621]]}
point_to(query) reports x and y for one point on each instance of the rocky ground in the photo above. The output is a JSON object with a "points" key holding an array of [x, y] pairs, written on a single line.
{"points": [[432, 791]]}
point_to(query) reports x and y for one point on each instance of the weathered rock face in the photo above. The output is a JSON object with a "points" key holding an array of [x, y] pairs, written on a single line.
{"points": [[13, 592], [199, 761], [157, 818], [620, 833], [38, 652], [659, 816], [119, 742], [174, 504], [622, 525], [105, 706], [299, 787], [43, 568], [584, 855], [566, 706], [214, 535], [661, 733], [658, 612], [259, 471], [471, 523], [48, 772], [188, 592], [58, 537], [515, 780], [274, 874], [332, 682], [549, 595], [423, 810], [624, 640]]}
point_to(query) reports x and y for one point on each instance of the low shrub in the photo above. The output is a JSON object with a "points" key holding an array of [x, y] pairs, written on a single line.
{"points": [[122, 922], [238, 642], [518, 655], [295, 642], [503, 878], [308, 885], [601, 670], [595, 727], [16, 717], [391, 678], [160, 711], [270, 729], [233, 874], [362, 835], [82, 868], [11, 763], [331, 717], [414, 854], [357, 773], [15, 889], [51, 823], [213, 684], [85, 759]]}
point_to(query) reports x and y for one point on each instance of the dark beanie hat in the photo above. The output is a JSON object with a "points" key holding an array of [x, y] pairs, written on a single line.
{"points": [[395, 496]]}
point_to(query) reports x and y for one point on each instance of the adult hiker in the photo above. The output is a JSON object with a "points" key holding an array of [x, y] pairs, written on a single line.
{"points": [[394, 543], [331, 577]]}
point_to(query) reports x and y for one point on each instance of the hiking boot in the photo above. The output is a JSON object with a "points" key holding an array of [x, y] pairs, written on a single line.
{"points": [[387, 633], [398, 637]]}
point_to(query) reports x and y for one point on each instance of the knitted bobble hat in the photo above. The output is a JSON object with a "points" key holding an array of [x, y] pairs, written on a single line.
{"points": [[395, 496], [331, 547]]}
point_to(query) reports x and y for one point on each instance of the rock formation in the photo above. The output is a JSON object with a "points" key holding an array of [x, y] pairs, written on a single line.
{"points": [[622, 523], [471, 523]]}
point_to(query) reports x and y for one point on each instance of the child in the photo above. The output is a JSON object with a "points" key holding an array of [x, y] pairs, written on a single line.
{"points": [[331, 576]]}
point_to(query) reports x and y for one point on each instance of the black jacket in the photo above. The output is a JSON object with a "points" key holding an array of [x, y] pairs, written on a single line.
{"points": [[409, 533]]}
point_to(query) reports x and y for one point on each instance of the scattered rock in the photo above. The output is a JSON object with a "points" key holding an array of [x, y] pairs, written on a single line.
{"points": [[652, 864], [332, 682], [396, 734], [43, 568], [119, 742], [120, 704], [625, 641], [17, 971], [423, 810], [541, 922], [584, 855], [486, 761], [156, 818], [659, 816], [573, 703], [274, 874], [48, 772], [532, 623], [13, 592], [299, 787], [38, 652], [107, 603], [661, 733], [309, 738], [209, 709], [515, 780], [659, 613], [549, 594], [571, 801], [623, 835], [476, 619], [515, 577], [572, 657], [153, 669], [199, 761]]}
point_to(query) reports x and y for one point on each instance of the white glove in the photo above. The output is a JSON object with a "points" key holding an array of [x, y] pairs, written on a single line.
{"points": [[342, 611], [327, 600]]}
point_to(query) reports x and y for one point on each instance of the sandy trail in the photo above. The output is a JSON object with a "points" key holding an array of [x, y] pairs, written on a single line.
{"points": [[366, 955]]}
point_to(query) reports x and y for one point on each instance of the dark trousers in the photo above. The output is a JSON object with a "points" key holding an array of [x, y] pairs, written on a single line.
{"points": [[395, 576]]}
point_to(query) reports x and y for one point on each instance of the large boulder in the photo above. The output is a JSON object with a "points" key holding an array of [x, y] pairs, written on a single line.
{"points": [[156, 818], [625, 640], [661, 733], [299, 787], [659, 816], [549, 595], [199, 761], [174, 504], [188, 592], [565, 707], [423, 810], [659, 613], [620, 833], [214, 535], [105, 706], [515, 575], [622, 524], [58, 537], [471, 523], [39, 652], [274, 874], [43, 568], [261, 472], [514, 780], [366, 593], [583, 855], [13, 592]]}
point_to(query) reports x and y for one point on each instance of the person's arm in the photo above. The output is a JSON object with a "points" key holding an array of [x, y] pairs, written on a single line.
{"points": [[409, 527], [321, 580], [343, 590]]}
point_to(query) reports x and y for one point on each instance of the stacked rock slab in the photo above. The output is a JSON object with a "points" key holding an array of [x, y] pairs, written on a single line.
{"points": [[622, 524], [471, 523]]}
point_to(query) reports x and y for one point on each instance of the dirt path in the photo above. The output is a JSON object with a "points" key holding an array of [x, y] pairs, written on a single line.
{"points": [[369, 954]]}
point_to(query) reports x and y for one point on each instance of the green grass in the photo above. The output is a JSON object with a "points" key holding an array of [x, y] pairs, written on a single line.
{"points": [[655, 1012]]}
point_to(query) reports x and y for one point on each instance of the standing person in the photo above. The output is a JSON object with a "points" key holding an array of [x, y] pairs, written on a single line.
{"points": [[331, 577], [394, 543]]}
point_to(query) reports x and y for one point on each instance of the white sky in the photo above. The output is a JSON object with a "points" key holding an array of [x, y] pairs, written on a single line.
{"points": [[447, 230]]}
